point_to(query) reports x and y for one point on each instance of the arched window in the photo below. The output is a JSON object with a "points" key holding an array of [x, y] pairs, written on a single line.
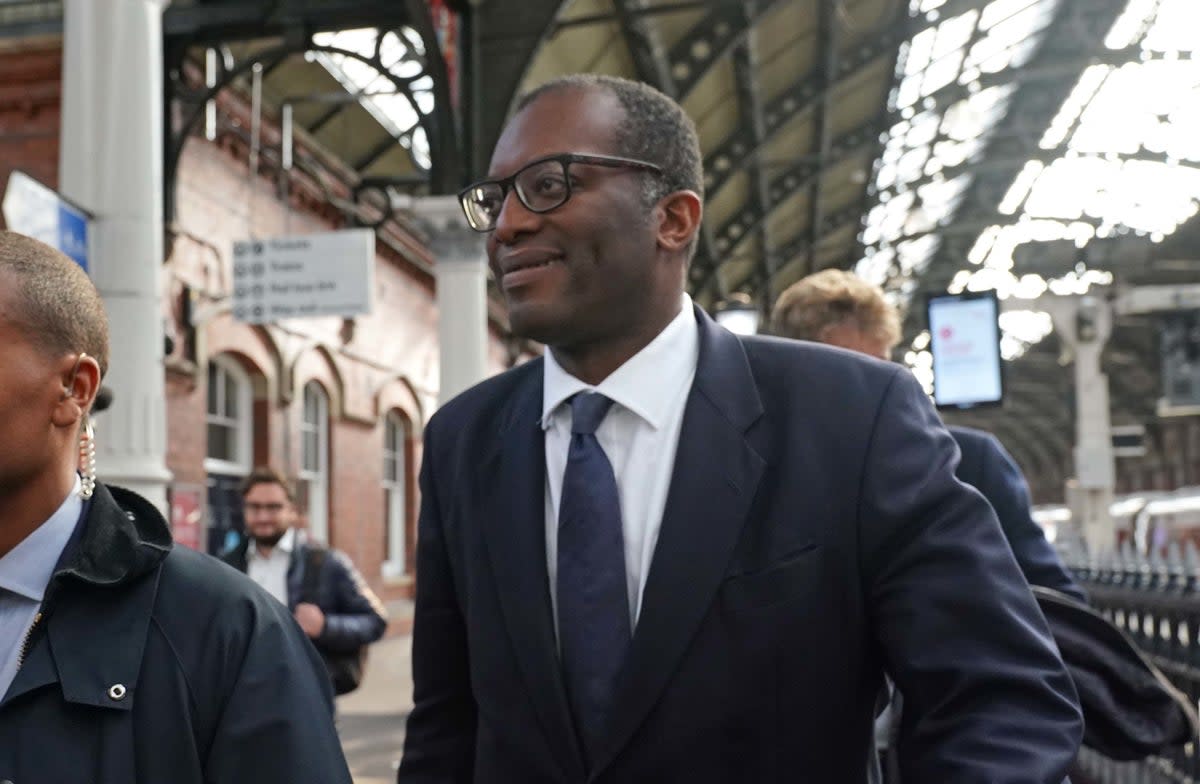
{"points": [[230, 418], [314, 460], [395, 497]]}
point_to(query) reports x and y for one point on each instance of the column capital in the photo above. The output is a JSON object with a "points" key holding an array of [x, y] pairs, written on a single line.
{"points": [[449, 235], [458, 246]]}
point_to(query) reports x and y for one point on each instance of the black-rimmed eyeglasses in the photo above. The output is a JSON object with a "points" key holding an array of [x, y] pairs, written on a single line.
{"points": [[542, 186]]}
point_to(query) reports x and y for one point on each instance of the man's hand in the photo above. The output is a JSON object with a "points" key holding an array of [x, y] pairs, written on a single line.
{"points": [[310, 618]]}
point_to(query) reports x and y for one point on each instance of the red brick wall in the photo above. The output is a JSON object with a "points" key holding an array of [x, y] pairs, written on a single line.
{"points": [[30, 96]]}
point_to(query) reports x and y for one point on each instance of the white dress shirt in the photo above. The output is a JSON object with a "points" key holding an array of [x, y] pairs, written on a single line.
{"points": [[25, 571], [639, 435], [270, 571]]}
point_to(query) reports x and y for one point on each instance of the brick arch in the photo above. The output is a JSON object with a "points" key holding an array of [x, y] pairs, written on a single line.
{"points": [[317, 363], [253, 347], [398, 394]]}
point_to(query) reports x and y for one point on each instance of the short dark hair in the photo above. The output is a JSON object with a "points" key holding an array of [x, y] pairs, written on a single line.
{"points": [[56, 304], [655, 129], [267, 475]]}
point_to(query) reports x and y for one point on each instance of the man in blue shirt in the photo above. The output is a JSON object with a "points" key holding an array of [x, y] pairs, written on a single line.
{"points": [[124, 659]]}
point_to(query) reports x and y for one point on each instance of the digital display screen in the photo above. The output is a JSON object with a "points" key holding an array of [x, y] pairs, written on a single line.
{"points": [[964, 332]]}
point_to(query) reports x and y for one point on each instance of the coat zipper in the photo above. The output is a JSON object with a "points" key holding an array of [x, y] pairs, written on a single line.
{"points": [[28, 636]]}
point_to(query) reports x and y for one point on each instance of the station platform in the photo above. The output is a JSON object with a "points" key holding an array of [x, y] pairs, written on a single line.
{"points": [[371, 719]]}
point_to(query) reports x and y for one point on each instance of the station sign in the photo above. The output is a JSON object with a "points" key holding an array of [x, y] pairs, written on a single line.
{"points": [[1129, 440], [32, 209], [1179, 354], [304, 276]]}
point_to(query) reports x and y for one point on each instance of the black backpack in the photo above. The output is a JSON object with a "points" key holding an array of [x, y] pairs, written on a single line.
{"points": [[1130, 709], [345, 667]]}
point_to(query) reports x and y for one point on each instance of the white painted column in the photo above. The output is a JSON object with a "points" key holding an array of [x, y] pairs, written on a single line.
{"points": [[110, 162], [461, 272], [1091, 493]]}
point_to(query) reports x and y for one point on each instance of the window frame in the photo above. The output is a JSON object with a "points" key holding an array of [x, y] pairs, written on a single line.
{"points": [[227, 367], [316, 481], [395, 556]]}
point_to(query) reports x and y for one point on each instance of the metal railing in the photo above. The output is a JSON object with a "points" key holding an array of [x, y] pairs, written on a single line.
{"points": [[1155, 600]]}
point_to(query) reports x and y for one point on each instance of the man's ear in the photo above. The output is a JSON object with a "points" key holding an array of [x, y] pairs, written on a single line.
{"points": [[80, 383], [679, 220]]}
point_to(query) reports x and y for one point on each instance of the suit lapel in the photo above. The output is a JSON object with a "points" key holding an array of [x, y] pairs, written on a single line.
{"points": [[513, 493], [714, 481]]}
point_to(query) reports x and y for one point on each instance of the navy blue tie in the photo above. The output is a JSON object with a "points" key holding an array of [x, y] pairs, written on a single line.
{"points": [[593, 605]]}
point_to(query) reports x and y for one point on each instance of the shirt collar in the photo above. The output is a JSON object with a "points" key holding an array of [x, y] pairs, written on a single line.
{"points": [[285, 545], [647, 384], [27, 568]]}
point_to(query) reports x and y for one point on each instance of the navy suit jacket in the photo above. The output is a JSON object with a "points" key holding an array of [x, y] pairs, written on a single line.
{"points": [[814, 535], [986, 466]]}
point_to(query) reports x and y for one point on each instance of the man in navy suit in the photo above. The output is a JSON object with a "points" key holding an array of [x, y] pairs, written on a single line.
{"points": [[663, 553], [839, 308]]}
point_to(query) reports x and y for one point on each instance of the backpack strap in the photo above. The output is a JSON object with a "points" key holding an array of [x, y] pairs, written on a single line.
{"points": [[314, 562]]}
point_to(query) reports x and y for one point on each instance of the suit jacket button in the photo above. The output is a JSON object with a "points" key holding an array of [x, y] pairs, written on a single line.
{"points": [[116, 692]]}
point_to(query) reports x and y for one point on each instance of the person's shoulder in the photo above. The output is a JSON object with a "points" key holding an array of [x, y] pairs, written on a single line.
{"points": [[212, 616], [490, 395], [808, 368], [479, 413], [213, 619], [334, 558], [972, 440], [969, 433], [804, 355], [195, 588]]}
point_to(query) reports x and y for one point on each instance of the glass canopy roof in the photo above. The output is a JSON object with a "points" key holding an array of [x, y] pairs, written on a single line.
{"points": [[401, 54], [1122, 155]]}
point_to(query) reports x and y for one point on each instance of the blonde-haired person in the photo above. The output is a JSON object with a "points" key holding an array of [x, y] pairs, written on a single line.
{"points": [[123, 659], [841, 309]]}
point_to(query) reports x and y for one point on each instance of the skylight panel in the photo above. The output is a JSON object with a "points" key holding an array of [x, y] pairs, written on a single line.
{"points": [[1004, 10], [1131, 24], [939, 130], [1020, 188], [876, 265], [940, 198], [974, 116], [1021, 329], [914, 254], [953, 35], [912, 164], [1081, 94], [1055, 191], [923, 129], [1130, 105], [400, 55], [1174, 27], [1124, 150]]}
